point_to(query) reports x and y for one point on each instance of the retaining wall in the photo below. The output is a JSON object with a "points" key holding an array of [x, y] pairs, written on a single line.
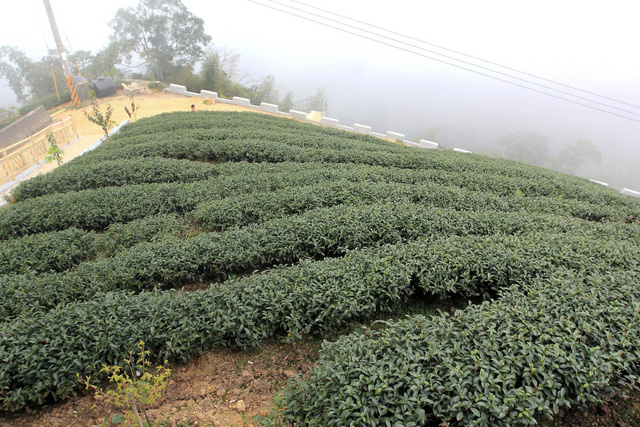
{"points": [[24, 127]]}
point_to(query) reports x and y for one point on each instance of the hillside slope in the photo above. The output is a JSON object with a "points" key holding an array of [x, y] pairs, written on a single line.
{"points": [[301, 229]]}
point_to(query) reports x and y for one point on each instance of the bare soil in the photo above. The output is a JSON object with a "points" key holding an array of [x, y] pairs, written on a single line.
{"points": [[223, 387]]}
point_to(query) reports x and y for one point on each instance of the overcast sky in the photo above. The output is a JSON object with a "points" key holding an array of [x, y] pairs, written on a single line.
{"points": [[582, 43]]}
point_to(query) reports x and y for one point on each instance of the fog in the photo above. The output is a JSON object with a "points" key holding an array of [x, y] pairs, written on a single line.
{"points": [[465, 110], [585, 45]]}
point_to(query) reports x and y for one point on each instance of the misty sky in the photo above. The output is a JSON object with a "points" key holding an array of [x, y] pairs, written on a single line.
{"points": [[588, 45]]}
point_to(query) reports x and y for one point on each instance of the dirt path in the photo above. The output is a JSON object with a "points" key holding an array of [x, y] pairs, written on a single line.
{"points": [[148, 105]]}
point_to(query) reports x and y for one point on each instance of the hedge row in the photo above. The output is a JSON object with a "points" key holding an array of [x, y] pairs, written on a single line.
{"points": [[316, 234], [63, 250], [59, 251], [42, 354], [262, 206], [119, 237], [181, 127], [48, 102], [220, 214], [465, 171], [97, 209], [110, 174], [55, 251], [561, 341], [230, 126]]}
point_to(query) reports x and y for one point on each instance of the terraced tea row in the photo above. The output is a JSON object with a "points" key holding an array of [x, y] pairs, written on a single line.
{"points": [[44, 352], [559, 342], [327, 232], [304, 229]]}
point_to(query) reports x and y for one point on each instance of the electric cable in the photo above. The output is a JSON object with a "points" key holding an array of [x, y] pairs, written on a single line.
{"points": [[460, 60], [454, 65], [464, 54]]}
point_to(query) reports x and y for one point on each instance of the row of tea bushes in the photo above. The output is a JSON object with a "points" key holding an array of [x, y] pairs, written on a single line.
{"points": [[476, 173], [219, 214], [59, 251], [112, 173], [97, 209], [559, 342], [238, 127], [63, 250], [42, 354], [58, 324], [172, 262], [182, 127], [225, 125], [317, 234], [262, 206], [55, 251]]}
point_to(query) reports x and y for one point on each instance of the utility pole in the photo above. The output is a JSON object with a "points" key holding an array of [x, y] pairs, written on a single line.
{"points": [[63, 55]]}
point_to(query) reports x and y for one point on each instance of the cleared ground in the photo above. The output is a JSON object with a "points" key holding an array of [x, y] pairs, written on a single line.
{"points": [[147, 105]]}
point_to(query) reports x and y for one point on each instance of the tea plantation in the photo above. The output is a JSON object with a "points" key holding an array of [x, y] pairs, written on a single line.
{"points": [[291, 229]]}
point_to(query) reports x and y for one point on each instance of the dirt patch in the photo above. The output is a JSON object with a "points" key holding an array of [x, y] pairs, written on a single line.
{"points": [[148, 105], [618, 411], [223, 387]]}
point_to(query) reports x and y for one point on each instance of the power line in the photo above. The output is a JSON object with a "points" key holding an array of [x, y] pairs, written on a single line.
{"points": [[463, 54], [459, 60], [455, 59], [454, 65]]}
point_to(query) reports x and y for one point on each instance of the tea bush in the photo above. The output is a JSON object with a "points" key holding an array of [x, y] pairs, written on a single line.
{"points": [[112, 173], [55, 251], [326, 232], [99, 208], [312, 296], [562, 341], [315, 228]]}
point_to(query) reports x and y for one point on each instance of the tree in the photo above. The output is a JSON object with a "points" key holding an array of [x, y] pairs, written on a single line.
{"points": [[104, 63], [287, 101], [31, 80], [265, 91], [430, 134], [160, 33], [14, 66], [220, 73], [54, 152], [40, 78], [526, 146], [185, 76], [80, 61], [319, 101], [572, 157], [210, 72]]}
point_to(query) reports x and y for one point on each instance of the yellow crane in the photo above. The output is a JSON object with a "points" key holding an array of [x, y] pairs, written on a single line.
{"points": [[76, 96]]}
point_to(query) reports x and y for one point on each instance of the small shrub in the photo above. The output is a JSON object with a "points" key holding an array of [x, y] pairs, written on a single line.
{"points": [[156, 85], [103, 120], [137, 388], [47, 102], [54, 152]]}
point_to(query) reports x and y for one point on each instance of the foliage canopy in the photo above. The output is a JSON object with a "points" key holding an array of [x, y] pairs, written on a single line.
{"points": [[161, 33]]}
